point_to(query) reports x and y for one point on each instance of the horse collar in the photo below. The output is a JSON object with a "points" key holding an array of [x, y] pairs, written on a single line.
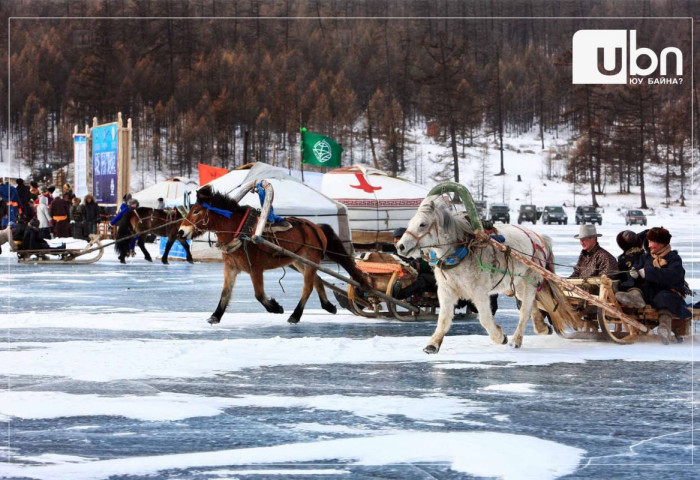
{"points": [[448, 261]]}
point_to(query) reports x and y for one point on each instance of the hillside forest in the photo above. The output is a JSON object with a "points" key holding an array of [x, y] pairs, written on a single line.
{"points": [[225, 83]]}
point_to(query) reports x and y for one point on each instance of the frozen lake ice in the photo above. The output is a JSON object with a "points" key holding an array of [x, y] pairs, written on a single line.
{"points": [[112, 371]]}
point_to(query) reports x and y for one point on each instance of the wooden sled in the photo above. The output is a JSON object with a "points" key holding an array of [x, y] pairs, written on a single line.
{"points": [[68, 255]]}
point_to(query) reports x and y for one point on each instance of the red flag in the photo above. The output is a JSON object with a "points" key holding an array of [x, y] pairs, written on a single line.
{"points": [[207, 173]]}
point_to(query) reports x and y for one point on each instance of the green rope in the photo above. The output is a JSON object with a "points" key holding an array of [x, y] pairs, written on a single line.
{"points": [[491, 268]]}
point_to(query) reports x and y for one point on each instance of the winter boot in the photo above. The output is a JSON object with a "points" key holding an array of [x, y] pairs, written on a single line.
{"points": [[664, 328], [633, 298]]}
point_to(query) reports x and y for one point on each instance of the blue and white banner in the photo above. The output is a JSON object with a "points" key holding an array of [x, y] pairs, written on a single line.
{"points": [[80, 186], [104, 163]]}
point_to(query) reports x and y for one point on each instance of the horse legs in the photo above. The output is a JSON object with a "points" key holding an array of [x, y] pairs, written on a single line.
{"points": [[538, 323], [186, 246], [309, 280], [321, 291], [142, 246], [230, 275], [446, 296], [168, 246], [526, 294], [270, 304], [483, 305]]}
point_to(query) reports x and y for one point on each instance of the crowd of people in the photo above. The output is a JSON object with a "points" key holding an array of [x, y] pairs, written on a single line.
{"points": [[37, 213]]}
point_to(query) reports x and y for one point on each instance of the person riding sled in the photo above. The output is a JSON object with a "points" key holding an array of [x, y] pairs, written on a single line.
{"points": [[663, 286]]}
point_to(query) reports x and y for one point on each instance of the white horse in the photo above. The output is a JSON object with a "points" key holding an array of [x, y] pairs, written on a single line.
{"points": [[482, 269], [5, 237]]}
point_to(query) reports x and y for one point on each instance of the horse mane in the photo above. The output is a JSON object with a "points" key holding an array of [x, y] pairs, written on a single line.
{"points": [[206, 194], [451, 221]]}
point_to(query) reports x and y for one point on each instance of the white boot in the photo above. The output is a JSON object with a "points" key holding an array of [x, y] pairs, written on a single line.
{"points": [[664, 328]]}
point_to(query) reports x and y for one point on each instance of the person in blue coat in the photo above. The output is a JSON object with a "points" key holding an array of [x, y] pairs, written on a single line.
{"points": [[9, 194], [664, 281]]}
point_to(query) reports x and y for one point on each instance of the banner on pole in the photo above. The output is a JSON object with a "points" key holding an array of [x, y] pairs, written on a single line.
{"points": [[319, 150], [104, 164], [207, 173], [80, 182]]}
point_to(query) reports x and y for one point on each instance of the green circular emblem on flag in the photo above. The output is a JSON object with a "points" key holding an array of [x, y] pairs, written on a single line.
{"points": [[322, 150]]}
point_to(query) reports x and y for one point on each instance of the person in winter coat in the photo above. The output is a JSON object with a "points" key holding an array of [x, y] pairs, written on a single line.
{"points": [[24, 200], [33, 239], [92, 214], [663, 275], [77, 219], [594, 260], [9, 194], [60, 213], [632, 251], [44, 217]]}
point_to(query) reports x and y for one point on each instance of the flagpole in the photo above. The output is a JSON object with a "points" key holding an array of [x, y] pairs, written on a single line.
{"points": [[301, 150]]}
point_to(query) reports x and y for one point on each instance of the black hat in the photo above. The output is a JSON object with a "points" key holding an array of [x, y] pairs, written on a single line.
{"points": [[628, 239], [659, 235], [398, 233]]}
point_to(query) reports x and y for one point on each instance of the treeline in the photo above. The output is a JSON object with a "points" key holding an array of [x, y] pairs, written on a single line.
{"points": [[224, 91]]}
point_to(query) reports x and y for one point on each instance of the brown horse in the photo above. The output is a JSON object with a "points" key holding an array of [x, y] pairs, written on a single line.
{"points": [[233, 223], [158, 222]]}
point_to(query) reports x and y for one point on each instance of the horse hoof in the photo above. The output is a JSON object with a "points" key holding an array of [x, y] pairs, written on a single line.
{"points": [[189, 260], [165, 262], [122, 261], [213, 320], [550, 330], [505, 340], [431, 349], [514, 346], [293, 320], [149, 259], [330, 308]]}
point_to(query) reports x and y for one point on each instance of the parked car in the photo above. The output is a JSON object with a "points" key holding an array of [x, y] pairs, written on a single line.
{"points": [[528, 213], [554, 214], [499, 213], [635, 217], [480, 209], [588, 214]]}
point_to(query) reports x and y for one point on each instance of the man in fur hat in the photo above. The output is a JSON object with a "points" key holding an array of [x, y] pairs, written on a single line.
{"points": [[664, 281]]}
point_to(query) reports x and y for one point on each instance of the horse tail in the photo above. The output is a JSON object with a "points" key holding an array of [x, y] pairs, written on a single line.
{"points": [[123, 229], [335, 250]]}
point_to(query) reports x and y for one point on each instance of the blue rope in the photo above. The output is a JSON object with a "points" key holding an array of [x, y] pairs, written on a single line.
{"points": [[271, 217]]}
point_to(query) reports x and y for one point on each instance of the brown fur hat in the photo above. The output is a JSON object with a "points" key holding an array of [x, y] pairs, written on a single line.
{"points": [[628, 239], [659, 235]]}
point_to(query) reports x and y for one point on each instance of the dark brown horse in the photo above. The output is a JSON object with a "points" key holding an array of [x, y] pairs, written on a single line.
{"points": [[233, 223], [158, 222]]}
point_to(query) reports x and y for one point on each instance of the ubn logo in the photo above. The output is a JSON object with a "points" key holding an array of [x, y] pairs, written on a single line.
{"points": [[603, 56]]}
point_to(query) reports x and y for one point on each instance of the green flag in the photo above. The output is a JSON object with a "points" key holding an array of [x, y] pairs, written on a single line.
{"points": [[319, 150]]}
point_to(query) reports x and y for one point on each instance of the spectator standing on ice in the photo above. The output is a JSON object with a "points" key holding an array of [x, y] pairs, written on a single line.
{"points": [[44, 217], [60, 214], [77, 219], [92, 214]]}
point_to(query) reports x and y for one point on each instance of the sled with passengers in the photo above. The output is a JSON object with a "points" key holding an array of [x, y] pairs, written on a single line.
{"points": [[384, 271], [90, 253], [473, 261], [615, 322]]}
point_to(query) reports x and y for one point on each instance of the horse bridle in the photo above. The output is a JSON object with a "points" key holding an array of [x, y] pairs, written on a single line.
{"points": [[204, 223], [418, 238]]}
